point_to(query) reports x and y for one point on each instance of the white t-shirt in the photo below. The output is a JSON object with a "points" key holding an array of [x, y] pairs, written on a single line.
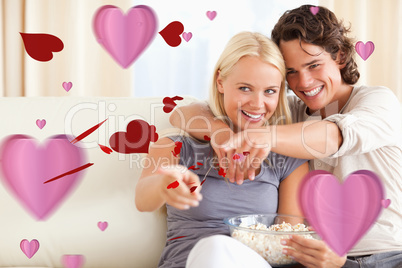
{"points": [[370, 123]]}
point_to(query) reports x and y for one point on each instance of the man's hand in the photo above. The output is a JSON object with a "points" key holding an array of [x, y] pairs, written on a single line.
{"points": [[242, 153], [312, 253]]}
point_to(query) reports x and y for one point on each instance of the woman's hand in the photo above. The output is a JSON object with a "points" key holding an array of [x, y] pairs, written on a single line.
{"points": [[242, 153], [180, 187], [312, 253]]}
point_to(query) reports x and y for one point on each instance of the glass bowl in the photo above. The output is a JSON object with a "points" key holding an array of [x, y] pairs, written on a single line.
{"points": [[252, 231]]}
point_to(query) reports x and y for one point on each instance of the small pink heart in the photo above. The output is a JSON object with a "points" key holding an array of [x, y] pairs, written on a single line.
{"points": [[73, 261], [67, 86], [103, 225], [29, 248], [187, 36], [364, 50], [41, 123], [314, 10], [341, 213], [211, 15], [385, 203], [238, 157]]}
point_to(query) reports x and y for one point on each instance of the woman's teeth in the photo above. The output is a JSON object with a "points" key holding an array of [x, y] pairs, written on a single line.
{"points": [[313, 92], [254, 116]]}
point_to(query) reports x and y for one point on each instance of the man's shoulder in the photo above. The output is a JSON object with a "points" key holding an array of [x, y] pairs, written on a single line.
{"points": [[378, 94]]}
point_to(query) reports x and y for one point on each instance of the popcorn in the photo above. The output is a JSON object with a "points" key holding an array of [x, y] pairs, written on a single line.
{"points": [[269, 245]]}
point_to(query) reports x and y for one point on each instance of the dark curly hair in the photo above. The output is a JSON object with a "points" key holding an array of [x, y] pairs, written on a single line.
{"points": [[322, 29]]}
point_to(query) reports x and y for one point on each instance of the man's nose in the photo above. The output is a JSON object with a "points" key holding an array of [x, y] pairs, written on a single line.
{"points": [[305, 80]]}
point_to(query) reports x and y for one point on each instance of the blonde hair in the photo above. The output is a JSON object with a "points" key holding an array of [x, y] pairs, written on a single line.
{"points": [[256, 45]]}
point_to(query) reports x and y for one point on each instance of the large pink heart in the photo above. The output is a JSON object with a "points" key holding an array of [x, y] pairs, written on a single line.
{"points": [[73, 261], [125, 37], [26, 167], [341, 213]]}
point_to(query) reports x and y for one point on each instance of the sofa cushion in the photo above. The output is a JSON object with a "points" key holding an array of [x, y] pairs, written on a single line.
{"points": [[94, 214]]}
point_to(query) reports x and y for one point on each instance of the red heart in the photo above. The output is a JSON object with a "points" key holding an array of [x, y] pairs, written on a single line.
{"points": [[169, 105], [136, 140], [222, 172], [105, 149], [41, 46], [177, 149], [236, 156], [171, 33], [192, 189], [193, 168], [207, 138], [173, 185]]}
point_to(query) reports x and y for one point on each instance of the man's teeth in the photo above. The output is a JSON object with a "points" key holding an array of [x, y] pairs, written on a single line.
{"points": [[313, 92], [254, 116]]}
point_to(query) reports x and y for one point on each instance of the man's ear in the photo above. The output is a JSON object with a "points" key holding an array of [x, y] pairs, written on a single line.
{"points": [[341, 59], [219, 82]]}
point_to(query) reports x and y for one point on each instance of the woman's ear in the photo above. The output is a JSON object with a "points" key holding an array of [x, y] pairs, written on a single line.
{"points": [[219, 82]]}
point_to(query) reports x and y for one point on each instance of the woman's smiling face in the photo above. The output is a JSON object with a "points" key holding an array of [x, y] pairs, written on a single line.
{"points": [[250, 92]]}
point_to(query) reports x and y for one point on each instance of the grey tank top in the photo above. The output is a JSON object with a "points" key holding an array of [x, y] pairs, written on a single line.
{"points": [[220, 199]]}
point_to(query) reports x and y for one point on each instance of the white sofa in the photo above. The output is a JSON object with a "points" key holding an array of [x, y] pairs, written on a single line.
{"points": [[104, 192]]}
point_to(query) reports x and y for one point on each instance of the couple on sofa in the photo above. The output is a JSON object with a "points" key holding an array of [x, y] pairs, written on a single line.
{"points": [[263, 139]]}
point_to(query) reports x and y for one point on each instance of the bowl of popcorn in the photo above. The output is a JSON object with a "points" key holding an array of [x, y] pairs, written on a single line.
{"points": [[264, 232]]}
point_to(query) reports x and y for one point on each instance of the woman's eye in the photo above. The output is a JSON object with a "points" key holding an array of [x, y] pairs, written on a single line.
{"points": [[244, 88], [270, 91]]}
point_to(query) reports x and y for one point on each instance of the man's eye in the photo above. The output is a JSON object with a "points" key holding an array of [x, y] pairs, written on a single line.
{"points": [[314, 66], [290, 72]]}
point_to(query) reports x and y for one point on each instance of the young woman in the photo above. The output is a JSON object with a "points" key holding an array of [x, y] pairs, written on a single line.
{"points": [[247, 92], [341, 127]]}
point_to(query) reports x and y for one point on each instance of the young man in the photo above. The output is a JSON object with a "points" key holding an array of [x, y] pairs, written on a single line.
{"points": [[341, 127]]}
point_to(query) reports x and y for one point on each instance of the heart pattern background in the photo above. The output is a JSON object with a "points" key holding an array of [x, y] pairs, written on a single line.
{"points": [[110, 17]]}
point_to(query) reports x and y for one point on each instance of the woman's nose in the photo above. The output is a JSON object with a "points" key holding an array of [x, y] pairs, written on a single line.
{"points": [[257, 101]]}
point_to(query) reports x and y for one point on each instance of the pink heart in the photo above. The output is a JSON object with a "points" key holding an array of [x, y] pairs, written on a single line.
{"points": [[211, 15], [67, 86], [364, 50], [187, 36], [41, 123], [26, 167], [341, 213], [102, 225], [73, 261], [125, 37], [385, 203], [29, 248], [314, 10]]}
